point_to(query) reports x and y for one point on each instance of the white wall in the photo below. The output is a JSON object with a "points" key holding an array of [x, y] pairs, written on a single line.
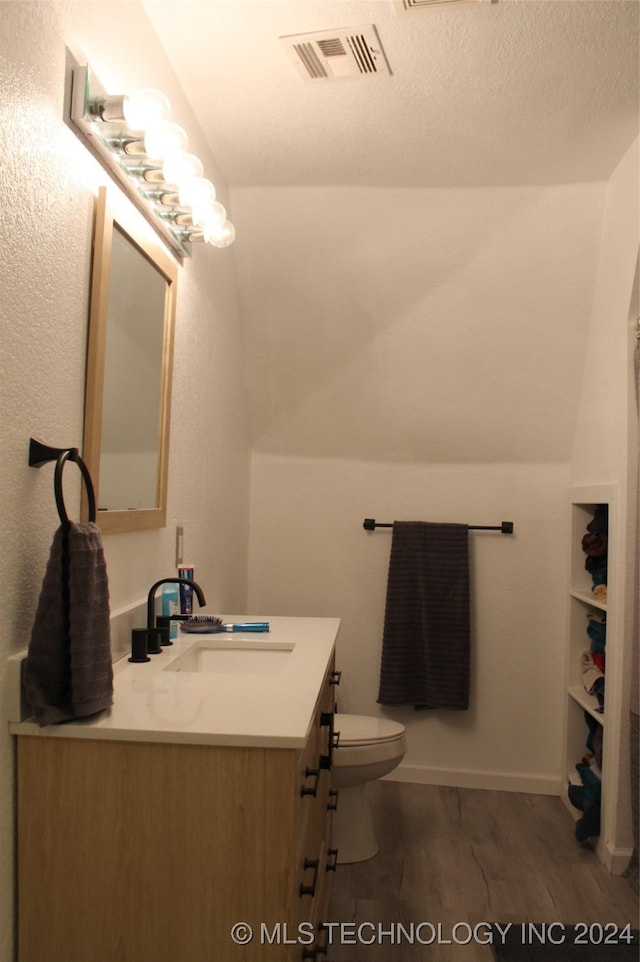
{"points": [[310, 555], [47, 185], [603, 416], [369, 394], [417, 325], [423, 360]]}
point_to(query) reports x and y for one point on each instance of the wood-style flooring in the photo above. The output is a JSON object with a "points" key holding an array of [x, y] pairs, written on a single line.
{"points": [[450, 856]]}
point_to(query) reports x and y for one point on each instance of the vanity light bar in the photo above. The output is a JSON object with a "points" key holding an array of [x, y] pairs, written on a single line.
{"points": [[147, 155]]}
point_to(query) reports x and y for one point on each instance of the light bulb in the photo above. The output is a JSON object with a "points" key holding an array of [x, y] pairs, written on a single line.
{"points": [[164, 140], [211, 214], [220, 236], [197, 192], [180, 167], [145, 109]]}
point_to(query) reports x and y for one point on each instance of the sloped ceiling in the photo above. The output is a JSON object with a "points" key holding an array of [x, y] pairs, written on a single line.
{"points": [[416, 252], [481, 94]]}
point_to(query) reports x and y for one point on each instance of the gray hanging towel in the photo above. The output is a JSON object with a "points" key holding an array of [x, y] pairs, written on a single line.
{"points": [[426, 639], [68, 669]]}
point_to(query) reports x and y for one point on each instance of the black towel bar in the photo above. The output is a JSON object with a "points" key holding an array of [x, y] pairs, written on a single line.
{"points": [[506, 527], [40, 454]]}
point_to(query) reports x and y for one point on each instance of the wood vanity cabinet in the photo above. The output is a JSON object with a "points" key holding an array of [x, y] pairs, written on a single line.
{"points": [[133, 851]]}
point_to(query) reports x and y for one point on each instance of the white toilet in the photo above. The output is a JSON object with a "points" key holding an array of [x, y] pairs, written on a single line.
{"points": [[368, 748]]}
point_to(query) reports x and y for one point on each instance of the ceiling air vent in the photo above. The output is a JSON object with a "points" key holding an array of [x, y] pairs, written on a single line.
{"points": [[337, 54], [406, 6]]}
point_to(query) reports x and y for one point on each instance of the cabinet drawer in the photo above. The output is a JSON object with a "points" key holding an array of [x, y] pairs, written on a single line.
{"points": [[315, 859]]}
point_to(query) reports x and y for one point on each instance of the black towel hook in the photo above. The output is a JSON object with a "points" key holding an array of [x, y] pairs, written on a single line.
{"points": [[40, 454]]}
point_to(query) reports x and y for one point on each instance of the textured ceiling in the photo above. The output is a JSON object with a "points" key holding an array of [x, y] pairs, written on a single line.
{"points": [[416, 253], [481, 94]]}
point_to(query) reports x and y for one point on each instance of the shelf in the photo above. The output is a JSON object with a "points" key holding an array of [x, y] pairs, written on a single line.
{"points": [[588, 600], [586, 701], [614, 843]]}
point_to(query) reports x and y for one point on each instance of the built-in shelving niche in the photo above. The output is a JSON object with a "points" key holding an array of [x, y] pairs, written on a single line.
{"points": [[583, 504]]}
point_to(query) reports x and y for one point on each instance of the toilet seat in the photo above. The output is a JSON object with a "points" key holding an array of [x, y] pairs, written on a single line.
{"points": [[366, 730], [368, 748]]}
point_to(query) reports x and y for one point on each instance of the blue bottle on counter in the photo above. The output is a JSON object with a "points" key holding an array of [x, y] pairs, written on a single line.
{"points": [[186, 591], [171, 606]]}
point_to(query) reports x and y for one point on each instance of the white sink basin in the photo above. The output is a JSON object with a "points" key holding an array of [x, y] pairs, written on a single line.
{"points": [[233, 657]]}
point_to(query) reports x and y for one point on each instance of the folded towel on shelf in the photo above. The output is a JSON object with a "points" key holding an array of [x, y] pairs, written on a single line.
{"points": [[590, 672], [68, 670], [426, 639], [597, 630]]}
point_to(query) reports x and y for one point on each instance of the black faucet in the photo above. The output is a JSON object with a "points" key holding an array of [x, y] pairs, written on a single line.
{"points": [[158, 636]]}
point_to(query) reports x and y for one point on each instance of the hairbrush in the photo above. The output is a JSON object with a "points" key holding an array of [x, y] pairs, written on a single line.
{"points": [[210, 624]]}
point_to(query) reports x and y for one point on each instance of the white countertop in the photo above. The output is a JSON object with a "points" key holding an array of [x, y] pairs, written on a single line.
{"points": [[269, 709]]}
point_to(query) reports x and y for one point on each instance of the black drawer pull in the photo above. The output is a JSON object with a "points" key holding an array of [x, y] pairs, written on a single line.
{"points": [[312, 790], [332, 860], [310, 889], [327, 719], [332, 806], [334, 677]]}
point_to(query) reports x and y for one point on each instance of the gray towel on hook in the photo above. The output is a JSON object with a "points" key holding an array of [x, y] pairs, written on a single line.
{"points": [[426, 640], [68, 670]]}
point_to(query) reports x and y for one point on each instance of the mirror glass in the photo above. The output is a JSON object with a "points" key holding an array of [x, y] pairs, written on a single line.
{"points": [[128, 391]]}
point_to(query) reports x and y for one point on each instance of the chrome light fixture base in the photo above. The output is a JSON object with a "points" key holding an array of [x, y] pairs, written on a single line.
{"points": [[99, 121]]}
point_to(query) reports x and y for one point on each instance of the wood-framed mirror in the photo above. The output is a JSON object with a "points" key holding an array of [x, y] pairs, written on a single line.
{"points": [[129, 371]]}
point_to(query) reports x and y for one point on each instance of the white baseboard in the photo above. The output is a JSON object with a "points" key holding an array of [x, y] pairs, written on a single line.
{"points": [[496, 781], [616, 859]]}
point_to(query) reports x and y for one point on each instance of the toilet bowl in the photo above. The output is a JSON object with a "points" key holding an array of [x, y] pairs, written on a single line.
{"points": [[368, 748]]}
